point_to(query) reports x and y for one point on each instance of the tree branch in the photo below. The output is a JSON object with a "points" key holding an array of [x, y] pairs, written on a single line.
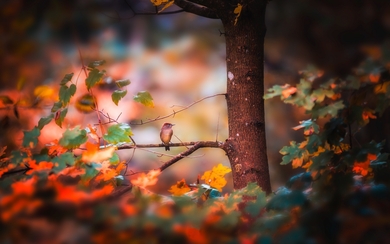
{"points": [[184, 154], [181, 144], [192, 7]]}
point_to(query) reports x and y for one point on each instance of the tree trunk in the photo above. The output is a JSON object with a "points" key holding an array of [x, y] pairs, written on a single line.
{"points": [[244, 34], [246, 145]]}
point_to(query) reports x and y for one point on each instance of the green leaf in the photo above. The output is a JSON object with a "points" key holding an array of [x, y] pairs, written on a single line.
{"points": [[30, 138], [291, 152], [114, 160], [94, 77], [331, 109], [118, 95], [90, 171], [286, 199], [254, 208], [17, 157], [118, 133], [95, 64], [252, 189], [66, 93], [61, 117], [44, 121], [6, 100], [56, 106], [66, 79], [62, 161], [145, 98], [122, 83], [73, 138]]}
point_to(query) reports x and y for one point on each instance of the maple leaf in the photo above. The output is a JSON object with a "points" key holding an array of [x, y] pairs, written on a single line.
{"points": [[215, 177], [55, 149], [363, 167], [40, 166], [107, 173], [297, 162], [93, 154], [148, 179], [179, 188]]}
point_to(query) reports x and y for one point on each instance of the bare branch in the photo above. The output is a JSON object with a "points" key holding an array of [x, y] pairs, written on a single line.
{"points": [[176, 112], [197, 145], [192, 7], [182, 144]]}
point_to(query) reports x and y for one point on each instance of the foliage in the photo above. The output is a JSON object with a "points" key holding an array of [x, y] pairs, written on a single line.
{"points": [[59, 193]]}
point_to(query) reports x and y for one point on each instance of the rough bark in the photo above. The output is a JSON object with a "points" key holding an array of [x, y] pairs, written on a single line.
{"points": [[246, 145]]}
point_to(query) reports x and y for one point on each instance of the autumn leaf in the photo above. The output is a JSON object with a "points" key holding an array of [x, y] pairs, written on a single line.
{"points": [[215, 177], [45, 92], [118, 133], [374, 78], [193, 234], [288, 92], [73, 138], [237, 12], [86, 103], [363, 168], [368, 114], [26, 187], [148, 179], [297, 162], [117, 95], [144, 98], [39, 166], [179, 188], [94, 154]]}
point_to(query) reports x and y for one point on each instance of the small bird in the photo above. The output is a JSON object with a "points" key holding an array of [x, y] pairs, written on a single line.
{"points": [[166, 134]]}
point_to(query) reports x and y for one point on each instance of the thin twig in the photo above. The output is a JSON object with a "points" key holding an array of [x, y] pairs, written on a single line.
{"points": [[216, 137], [178, 111], [180, 140]]}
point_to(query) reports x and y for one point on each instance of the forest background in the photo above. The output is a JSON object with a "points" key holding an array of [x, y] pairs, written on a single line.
{"points": [[179, 59]]}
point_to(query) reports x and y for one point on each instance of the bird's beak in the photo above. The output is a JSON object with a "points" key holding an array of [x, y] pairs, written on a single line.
{"points": [[173, 124]]}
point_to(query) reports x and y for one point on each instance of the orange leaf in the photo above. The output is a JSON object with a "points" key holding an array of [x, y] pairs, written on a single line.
{"points": [[297, 162], [24, 187], [193, 234], [93, 154], [368, 114], [363, 167], [40, 166], [180, 188], [148, 179], [374, 78], [55, 149], [288, 92]]}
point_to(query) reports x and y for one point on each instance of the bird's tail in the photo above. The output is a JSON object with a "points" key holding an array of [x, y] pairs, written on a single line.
{"points": [[167, 148]]}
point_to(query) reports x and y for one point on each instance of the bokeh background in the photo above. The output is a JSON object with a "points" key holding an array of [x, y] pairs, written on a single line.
{"points": [[178, 58]]}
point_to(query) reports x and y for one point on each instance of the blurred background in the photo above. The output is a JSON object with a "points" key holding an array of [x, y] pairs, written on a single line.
{"points": [[178, 58]]}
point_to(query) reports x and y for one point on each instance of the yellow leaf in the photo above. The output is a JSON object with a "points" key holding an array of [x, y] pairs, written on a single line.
{"points": [[44, 92], [93, 154], [381, 88], [179, 188], [166, 6], [237, 11], [215, 177]]}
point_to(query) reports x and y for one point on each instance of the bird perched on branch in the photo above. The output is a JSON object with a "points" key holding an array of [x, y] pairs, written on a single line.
{"points": [[166, 134]]}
